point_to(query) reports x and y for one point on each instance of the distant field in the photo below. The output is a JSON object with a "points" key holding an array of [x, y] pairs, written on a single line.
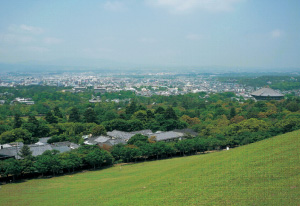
{"points": [[263, 173]]}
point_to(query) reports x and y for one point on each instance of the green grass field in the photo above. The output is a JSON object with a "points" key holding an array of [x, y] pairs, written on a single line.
{"points": [[263, 173]]}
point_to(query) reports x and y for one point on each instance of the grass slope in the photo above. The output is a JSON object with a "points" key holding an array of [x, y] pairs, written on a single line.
{"points": [[263, 173]]}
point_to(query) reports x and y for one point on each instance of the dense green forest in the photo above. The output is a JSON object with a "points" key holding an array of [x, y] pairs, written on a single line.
{"points": [[70, 115], [283, 83], [220, 120]]}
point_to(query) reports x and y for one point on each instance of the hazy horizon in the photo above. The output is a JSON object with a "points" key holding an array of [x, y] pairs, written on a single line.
{"points": [[233, 34]]}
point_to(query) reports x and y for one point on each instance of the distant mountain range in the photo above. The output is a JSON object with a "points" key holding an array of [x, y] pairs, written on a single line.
{"points": [[112, 66]]}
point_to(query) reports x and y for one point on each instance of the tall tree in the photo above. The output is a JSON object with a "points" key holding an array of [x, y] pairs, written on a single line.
{"points": [[12, 167], [132, 108], [94, 158], [70, 160], [74, 115], [18, 134], [89, 115], [32, 125], [17, 120], [98, 130], [27, 162], [25, 152], [57, 112], [150, 115], [232, 112], [48, 161], [33, 120], [138, 138], [170, 114], [160, 110], [51, 118]]}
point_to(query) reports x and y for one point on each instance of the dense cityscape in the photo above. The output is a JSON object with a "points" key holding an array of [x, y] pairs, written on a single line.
{"points": [[147, 84]]}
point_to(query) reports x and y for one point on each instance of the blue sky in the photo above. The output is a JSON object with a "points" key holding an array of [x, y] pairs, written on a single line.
{"points": [[195, 33]]}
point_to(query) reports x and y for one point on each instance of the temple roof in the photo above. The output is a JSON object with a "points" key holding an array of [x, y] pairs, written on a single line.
{"points": [[267, 92]]}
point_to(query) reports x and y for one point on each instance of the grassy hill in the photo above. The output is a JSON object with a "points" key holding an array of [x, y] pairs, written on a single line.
{"points": [[263, 173]]}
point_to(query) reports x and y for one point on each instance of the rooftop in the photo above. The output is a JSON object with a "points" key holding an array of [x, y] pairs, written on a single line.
{"points": [[167, 135], [120, 135], [267, 92]]}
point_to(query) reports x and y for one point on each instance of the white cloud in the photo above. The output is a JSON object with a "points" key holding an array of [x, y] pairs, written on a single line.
{"points": [[183, 6], [114, 6], [13, 38], [193, 37], [276, 33], [27, 35], [31, 29], [25, 29], [52, 40]]}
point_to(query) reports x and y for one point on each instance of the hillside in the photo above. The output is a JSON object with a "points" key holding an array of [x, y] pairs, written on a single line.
{"points": [[263, 173]]}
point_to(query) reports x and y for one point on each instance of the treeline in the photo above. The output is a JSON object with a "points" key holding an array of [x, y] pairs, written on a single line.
{"points": [[71, 128], [31, 130], [213, 116], [69, 116], [48, 97], [138, 148], [141, 148], [53, 162]]}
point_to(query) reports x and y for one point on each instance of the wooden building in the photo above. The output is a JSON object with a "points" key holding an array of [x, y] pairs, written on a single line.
{"points": [[267, 94]]}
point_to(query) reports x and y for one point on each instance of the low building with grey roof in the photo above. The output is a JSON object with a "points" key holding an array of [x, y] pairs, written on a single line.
{"points": [[115, 134], [187, 132], [2, 146], [39, 149], [15, 150], [104, 140], [168, 136], [74, 146], [61, 149], [10, 152], [96, 140], [143, 132], [113, 142], [43, 140]]}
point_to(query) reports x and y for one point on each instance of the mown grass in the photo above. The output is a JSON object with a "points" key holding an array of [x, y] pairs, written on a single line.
{"points": [[263, 173]]}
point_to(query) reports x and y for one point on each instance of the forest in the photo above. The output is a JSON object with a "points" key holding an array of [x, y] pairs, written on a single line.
{"points": [[221, 120], [283, 83]]}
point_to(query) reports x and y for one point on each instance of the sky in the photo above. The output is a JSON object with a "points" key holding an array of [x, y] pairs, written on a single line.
{"points": [[152, 33]]}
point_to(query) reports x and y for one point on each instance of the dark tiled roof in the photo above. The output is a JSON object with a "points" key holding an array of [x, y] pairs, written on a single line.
{"points": [[58, 144], [163, 136], [102, 139], [187, 131], [90, 141], [120, 135], [39, 149], [115, 141], [267, 92], [74, 146], [61, 149], [11, 152], [143, 132], [35, 149], [44, 140]]}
